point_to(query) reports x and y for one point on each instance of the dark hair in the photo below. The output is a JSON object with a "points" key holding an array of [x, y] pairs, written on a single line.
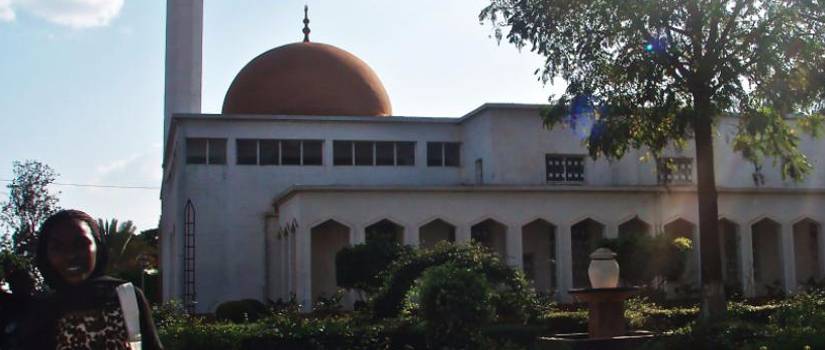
{"points": [[47, 229]]}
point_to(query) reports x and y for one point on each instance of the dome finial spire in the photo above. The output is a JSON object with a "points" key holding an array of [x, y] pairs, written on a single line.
{"points": [[306, 23]]}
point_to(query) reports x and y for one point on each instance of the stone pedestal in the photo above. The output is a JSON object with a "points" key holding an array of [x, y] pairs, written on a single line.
{"points": [[606, 310]]}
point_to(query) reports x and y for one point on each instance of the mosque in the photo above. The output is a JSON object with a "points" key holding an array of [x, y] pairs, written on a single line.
{"points": [[307, 157]]}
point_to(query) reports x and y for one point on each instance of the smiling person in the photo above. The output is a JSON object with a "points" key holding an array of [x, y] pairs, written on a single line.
{"points": [[88, 310]]}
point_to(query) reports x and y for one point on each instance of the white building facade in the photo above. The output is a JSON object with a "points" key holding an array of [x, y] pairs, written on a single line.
{"points": [[255, 203]]}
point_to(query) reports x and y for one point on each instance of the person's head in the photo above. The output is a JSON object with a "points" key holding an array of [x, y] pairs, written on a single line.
{"points": [[70, 250]]}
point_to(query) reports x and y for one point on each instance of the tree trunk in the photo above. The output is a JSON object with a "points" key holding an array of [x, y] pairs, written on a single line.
{"points": [[714, 306]]}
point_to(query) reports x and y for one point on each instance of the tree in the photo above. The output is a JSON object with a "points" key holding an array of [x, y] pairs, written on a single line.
{"points": [[125, 248], [29, 204], [652, 73]]}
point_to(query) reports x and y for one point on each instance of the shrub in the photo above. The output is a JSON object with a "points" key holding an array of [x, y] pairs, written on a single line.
{"points": [[240, 311], [513, 297], [642, 257], [359, 266], [455, 304]]}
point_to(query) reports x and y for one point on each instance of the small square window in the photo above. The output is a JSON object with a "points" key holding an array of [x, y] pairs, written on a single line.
{"points": [[247, 152], [364, 153], [217, 151], [405, 153], [270, 154], [342, 152], [195, 151], [385, 153], [290, 152], [313, 152]]}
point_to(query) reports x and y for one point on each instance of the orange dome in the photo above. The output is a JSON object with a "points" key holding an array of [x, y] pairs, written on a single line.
{"points": [[307, 78]]}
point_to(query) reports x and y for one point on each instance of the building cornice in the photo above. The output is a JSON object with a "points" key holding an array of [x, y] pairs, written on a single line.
{"points": [[299, 189]]}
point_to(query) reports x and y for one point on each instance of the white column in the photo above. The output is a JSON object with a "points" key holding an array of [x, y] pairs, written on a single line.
{"points": [[411, 235], [184, 51], [612, 230], [514, 247], [462, 233], [746, 259], [788, 257], [564, 262], [304, 267], [356, 235]]}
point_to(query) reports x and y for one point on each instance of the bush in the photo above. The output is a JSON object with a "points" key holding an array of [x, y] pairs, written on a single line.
{"points": [[359, 266], [455, 304], [513, 297], [240, 311], [643, 257]]}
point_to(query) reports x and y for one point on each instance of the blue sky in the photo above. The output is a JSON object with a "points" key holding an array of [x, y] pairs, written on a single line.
{"points": [[81, 82]]}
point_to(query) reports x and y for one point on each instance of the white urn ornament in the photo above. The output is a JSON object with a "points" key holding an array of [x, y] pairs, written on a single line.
{"points": [[604, 270]]}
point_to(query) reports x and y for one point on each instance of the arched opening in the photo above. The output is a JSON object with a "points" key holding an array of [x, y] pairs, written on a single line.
{"points": [[327, 239], [729, 246], [634, 227], [681, 228], [435, 231], [806, 251], [585, 237], [767, 257], [384, 230], [491, 234], [539, 249]]}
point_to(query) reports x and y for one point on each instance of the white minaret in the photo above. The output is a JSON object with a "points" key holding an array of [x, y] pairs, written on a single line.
{"points": [[184, 48]]}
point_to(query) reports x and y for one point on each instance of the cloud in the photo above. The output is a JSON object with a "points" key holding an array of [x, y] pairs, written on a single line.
{"points": [[6, 12], [72, 13]]}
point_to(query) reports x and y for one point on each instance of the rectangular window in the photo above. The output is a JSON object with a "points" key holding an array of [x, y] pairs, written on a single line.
{"points": [[270, 152], [434, 154], [216, 149], [247, 151], [290, 152], [452, 153], [196, 151], [675, 170], [443, 154], [564, 169], [385, 153], [342, 152], [405, 153], [313, 152], [364, 153]]}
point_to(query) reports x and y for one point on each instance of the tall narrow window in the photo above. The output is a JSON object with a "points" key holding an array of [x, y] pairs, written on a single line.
{"points": [[312, 152], [435, 154], [385, 153], [195, 151], [270, 152], [364, 153], [290, 152], [217, 151], [342, 153], [405, 153], [451, 154], [247, 152]]}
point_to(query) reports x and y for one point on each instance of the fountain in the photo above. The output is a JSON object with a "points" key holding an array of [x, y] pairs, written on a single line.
{"points": [[605, 299]]}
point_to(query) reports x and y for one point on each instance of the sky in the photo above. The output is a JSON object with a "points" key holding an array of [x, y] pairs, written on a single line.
{"points": [[81, 81]]}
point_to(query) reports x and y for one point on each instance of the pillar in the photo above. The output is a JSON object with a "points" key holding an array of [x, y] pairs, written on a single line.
{"points": [[303, 254], [462, 233], [564, 262], [746, 259], [788, 257], [184, 52], [515, 251], [412, 236]]}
